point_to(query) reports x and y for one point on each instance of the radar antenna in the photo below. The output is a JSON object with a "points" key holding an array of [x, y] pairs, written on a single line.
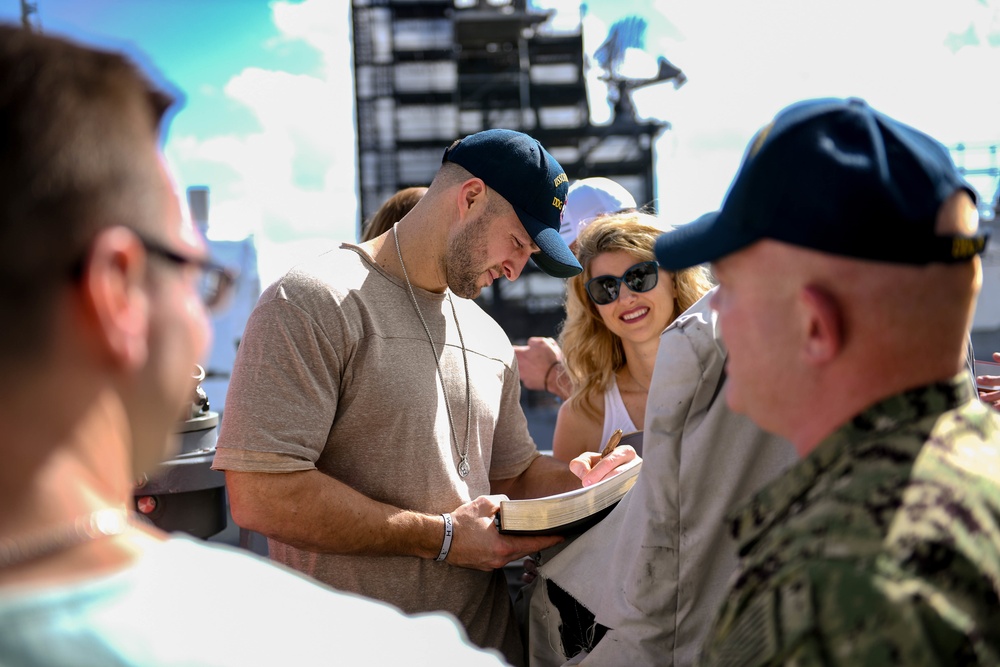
{"points": [[626, 34]]}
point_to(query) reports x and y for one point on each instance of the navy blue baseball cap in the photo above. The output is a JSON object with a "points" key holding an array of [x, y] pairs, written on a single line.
{"points": [[835, 176], [532, 182]]}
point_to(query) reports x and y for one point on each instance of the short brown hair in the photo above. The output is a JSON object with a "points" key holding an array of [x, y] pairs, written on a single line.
{"points": [[78, 138], [390, 212]]}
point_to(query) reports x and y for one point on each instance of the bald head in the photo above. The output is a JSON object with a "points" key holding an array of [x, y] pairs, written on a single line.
{"points": [[816, 338], [847, 256]]}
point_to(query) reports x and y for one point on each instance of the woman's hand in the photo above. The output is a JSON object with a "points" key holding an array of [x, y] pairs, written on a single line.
{"points": [[591, 468]]}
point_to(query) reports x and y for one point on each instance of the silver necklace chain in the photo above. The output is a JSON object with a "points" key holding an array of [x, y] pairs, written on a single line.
{"points": [[634, 380], [463, 464], [106, 522]]}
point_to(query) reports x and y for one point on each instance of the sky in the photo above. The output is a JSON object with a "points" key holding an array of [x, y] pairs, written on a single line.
{"points": [[267, 120]]}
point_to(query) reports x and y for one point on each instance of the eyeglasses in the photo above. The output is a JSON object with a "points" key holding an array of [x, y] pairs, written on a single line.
{"points": [[640, 277], [216, 282]]}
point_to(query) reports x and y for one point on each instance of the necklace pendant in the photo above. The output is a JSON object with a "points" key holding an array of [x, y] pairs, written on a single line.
{"points": [[463, 467]]}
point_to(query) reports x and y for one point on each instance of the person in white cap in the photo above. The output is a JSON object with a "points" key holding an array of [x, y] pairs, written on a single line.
{"points": [[540, 361], [588, 199]]}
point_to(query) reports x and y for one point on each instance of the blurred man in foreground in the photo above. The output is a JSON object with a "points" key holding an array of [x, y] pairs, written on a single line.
{"points": [[103, 295]]}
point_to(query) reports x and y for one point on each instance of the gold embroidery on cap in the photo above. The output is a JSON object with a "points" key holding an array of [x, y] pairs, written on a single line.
{"points": [[759, 139], [558, 203], [561, 178], [962, 248]]}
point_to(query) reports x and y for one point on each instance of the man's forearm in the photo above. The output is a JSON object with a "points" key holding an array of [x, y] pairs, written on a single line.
{"points": [[315, 512], [544, 477]]}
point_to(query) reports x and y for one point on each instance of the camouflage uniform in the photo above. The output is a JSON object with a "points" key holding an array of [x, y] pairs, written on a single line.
{"points": [[881, 547]]}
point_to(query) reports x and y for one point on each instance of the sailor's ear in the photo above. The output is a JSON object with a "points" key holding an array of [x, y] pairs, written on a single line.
{"points": [[822, 325], [114, 295]]}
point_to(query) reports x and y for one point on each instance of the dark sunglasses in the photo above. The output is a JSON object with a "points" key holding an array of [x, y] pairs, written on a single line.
{"points": [[216, 282], [641, 277]]}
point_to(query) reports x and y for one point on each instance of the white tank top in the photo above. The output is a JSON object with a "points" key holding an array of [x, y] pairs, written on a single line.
{"points": [[615, 414]]}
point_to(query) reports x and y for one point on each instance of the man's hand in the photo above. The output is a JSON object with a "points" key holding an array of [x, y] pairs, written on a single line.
{"points": [[989, 386], [540, 365], [535, 359], [591, 468], [477, 544]]}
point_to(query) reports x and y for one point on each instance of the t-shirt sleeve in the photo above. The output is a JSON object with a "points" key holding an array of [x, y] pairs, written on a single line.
{"points": [[513, 447], [283, 392]]}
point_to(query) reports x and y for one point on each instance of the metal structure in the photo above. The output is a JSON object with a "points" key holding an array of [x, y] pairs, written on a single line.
{"points": [[184, 493], [980, 164], [430, 71]]}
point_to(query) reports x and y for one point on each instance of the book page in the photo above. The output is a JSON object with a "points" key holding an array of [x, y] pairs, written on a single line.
{"points": [[583, 490], [577, 508]]}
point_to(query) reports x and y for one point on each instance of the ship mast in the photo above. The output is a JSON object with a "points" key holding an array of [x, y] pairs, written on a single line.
{"points": [[29, 15]]}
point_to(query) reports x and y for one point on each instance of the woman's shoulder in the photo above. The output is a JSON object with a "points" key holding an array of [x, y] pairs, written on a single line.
{"points": [[577, 430]]}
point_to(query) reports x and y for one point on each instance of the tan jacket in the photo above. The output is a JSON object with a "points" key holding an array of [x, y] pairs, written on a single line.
{"points": [[655, 570]]}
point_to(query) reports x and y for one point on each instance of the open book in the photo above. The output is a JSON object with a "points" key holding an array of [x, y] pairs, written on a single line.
{"points": [[570, 512]]}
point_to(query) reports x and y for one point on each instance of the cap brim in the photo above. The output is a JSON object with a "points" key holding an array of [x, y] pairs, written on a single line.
{"points": [[704, 240], [555, 258]]}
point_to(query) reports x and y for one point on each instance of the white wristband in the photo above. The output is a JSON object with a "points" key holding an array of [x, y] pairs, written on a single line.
{"points": [[448, 532]]}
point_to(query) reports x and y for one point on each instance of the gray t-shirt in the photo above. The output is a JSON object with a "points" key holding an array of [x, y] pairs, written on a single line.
{"points": [[335, 372]]}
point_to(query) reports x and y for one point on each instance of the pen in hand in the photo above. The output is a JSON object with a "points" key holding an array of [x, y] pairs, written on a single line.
{"points": [[613, 441]]}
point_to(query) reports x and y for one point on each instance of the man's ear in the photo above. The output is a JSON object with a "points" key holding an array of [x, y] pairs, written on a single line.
{"points": [[473, 195], [115, 298], [823, 325]]}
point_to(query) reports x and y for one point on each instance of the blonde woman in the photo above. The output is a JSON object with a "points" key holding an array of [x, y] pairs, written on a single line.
{"points": [[615, 312]]}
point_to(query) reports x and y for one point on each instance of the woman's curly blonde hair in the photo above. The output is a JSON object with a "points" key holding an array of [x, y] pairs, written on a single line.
{"points": [[592, 354]]}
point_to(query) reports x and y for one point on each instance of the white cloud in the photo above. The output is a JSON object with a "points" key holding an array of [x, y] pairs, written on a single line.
{"points": [[933, 66], [292, 183], [296, 105], [322, 24], [745, 61]]}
